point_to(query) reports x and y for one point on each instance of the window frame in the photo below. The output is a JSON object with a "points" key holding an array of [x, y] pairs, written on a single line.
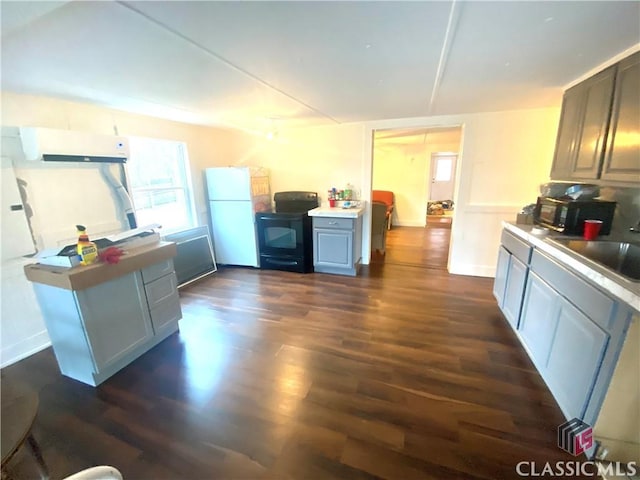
{"points": [[186, 185]]}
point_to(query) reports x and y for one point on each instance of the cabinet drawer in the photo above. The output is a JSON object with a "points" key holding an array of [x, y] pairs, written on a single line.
{"points": [[333, 222], [160, 289], [518, 248], [165, 312], [595, 304], [158, 270]]}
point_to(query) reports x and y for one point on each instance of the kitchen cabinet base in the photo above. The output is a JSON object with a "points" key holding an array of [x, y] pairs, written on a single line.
{"points": [[115, 367], [353, 271]]}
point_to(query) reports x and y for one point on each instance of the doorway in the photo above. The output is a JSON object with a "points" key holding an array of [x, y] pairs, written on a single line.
{"points": [[418, 165]]}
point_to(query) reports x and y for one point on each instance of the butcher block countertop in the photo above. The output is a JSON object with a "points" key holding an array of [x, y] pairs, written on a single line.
{"points": [[85, 276]]}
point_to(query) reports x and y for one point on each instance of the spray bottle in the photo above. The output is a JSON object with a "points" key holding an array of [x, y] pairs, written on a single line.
{"points": [[86, 249]]}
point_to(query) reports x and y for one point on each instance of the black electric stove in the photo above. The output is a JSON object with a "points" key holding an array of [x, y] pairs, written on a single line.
{"points": [[285, 236]]}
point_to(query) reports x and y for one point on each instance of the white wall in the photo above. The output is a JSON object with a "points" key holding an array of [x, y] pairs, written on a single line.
{"points": [[22, 328], [404, 170], [207, 147], [503, 158], [313, 159]]}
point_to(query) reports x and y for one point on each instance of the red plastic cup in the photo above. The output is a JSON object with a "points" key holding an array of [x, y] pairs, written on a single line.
{"points": [[332, 202], [591, 229]]}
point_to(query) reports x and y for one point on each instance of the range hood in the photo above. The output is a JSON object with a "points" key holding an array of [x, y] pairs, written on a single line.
{"points": [[50, 145]]}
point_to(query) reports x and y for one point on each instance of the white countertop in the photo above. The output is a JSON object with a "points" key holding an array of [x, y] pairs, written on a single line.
{"points": [[603, 277], [336, 212]]}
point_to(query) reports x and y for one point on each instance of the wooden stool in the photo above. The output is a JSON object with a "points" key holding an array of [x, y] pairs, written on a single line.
{"points": [[19, 410]]}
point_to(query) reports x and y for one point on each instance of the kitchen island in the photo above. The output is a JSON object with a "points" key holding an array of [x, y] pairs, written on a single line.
{"points": [[101, 317], [337, 240]]}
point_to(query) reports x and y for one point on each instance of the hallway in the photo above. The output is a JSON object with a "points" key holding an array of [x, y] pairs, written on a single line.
{"points": [[426, 247]]}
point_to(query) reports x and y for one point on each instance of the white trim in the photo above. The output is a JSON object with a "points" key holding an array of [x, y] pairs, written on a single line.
{"points": [[473, 270], [25, 348], [602, 66]]}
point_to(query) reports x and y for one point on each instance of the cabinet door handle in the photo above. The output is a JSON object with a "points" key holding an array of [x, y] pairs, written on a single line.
{"points": [[333, 223]]}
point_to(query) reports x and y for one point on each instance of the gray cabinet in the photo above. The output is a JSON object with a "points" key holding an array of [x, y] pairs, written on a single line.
{"points": [[337, 245], [565, 345], [575, 356], [539, 319], [115, 318], [571, 329], [502, 270], [511, 276], [599, 118], [514, 289], [594, 121], [98, 330], [568, 133], [161, 291], [622, 159]]}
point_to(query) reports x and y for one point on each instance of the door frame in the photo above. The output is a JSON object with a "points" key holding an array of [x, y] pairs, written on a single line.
{"points": [[368, 138]]}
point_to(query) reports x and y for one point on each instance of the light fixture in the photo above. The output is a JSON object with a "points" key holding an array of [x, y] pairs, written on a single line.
{"points": [[272, 130]]}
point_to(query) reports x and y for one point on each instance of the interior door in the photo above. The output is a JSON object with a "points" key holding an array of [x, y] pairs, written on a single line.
{"points": [[443, 169]]}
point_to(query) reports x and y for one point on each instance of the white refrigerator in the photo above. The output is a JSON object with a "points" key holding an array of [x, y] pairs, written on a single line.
{"points": [[235, 195]]}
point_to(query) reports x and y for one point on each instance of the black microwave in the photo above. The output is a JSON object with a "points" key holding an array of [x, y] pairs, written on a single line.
{"points": [[567, 215]]}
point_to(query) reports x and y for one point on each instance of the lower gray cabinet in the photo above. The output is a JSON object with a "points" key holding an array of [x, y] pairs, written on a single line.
{"points": [[539, 319], [115, 317], [575, 356], [502, 270], [162, 296], [337, 245], [571, 329], [517, 277], [98, 330], [511, 276]]}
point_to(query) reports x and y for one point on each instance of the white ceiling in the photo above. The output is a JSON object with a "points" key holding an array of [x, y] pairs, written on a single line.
{"points": [[245, 63]]}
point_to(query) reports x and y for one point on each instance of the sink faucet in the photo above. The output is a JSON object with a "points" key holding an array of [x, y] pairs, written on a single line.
{"points": [[635, 229]]}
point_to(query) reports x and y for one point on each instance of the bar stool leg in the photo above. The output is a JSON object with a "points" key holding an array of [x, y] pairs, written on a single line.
{"points": [[35, 450]]}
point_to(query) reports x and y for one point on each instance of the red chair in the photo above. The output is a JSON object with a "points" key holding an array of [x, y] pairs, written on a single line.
{"points": [[386, 197]]}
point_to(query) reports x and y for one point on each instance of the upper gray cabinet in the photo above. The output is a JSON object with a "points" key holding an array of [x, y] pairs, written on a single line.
{"points": [[597, 96], [599, 121], [567, 132], [622, 159]]}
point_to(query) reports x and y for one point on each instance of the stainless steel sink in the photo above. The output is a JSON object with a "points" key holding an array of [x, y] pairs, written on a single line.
{"points": [[622, 257]]}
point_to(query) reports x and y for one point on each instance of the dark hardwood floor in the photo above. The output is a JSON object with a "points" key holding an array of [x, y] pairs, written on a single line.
{"points": [[426, 247], [401, 373]]}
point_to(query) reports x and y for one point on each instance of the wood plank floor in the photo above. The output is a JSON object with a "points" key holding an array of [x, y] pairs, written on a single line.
{"points": [[426, 247], [401, 373]]}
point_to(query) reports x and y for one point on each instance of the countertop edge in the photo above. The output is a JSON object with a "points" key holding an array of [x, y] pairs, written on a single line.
{"points": [[336, 212], [83, 277], [604, 279]]}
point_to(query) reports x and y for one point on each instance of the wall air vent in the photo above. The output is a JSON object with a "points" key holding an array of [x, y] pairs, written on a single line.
{"points": [[50, 145]]}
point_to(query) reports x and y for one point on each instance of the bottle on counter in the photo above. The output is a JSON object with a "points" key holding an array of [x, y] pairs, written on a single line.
{"points": [[87, 250], [348, 192]]}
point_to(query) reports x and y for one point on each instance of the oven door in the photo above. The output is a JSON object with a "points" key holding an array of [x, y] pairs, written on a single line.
{"points": [[280, 234]]}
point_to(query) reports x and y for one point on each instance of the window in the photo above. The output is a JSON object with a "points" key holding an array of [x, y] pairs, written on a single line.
{"points": [[159, 176]]}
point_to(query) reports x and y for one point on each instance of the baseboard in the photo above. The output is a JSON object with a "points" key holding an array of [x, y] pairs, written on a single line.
{"points": [[473, 270], [25, 348]]}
